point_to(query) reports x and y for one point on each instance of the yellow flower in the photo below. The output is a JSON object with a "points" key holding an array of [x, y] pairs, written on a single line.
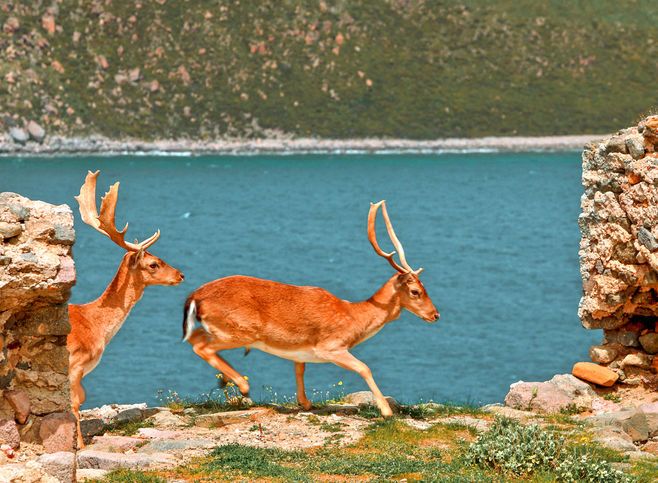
{"points": [[340, 383], [219, 375], [246, 378]]}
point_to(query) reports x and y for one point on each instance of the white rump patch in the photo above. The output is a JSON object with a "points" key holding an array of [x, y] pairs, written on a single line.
{"points": [[190, 321]]}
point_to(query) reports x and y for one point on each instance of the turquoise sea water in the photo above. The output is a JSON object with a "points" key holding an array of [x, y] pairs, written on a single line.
{"points": [[496, 234]]}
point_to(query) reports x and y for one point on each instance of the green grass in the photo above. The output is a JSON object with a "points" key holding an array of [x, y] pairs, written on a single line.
{"points": [[129, 476], [416, 69]]}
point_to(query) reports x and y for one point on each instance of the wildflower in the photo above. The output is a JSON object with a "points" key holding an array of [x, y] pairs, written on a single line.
{"points": [[340, 383], [219, 375]]}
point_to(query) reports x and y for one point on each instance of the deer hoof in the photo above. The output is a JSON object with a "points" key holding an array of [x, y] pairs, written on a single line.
{"points": [[306, 405]]}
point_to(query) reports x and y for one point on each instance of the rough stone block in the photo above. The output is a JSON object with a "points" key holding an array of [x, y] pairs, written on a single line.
{"points": [[58, 432]]}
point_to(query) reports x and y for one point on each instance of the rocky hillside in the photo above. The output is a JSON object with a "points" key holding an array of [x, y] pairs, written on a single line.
{"points": [[256, 68]]}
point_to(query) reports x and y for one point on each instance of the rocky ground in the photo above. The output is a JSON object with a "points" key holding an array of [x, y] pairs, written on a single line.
{"points": [[173, 443]]}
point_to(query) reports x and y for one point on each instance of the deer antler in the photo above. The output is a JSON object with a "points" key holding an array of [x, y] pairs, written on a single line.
{"points": [[104, 223], [372, 236]]}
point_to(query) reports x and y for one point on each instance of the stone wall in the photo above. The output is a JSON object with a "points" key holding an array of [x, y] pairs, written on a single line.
{"points": [[36, 276], [619, 251]]}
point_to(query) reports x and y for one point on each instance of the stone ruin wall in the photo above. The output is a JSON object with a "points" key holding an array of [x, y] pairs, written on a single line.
{"points": [[36, 276], [619, 251]]}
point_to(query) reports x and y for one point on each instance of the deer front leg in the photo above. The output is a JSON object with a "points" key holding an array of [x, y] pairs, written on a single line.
{"points": [[77, 398], [301, 393], [206, 346], [347, 361]]}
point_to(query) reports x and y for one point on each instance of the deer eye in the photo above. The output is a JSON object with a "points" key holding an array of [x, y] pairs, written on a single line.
{"points": [[415, 293], [153, 265]]}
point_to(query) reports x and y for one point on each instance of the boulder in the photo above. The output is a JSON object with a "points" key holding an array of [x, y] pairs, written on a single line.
{"points": [[649, 342], [128, 416], [61, 465], [595, 374], [9, 433], [116, 444], [58, 432], [632, 421], [36, 132], [20, 403], [542, 397], [18, 135], [626, 338], [91, 427]]}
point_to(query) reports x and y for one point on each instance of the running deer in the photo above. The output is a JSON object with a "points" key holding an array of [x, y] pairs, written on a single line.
{"points": [[94, 324], [302, 324]]}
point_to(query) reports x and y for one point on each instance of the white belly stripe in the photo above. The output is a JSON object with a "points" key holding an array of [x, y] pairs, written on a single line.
{"points": [[296, 355]]}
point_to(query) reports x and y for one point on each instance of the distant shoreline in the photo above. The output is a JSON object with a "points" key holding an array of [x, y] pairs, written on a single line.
{"points": [[98, 145]]}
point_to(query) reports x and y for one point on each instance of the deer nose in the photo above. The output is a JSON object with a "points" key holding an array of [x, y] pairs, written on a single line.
{"points": [[436, 316], [182, 277]]}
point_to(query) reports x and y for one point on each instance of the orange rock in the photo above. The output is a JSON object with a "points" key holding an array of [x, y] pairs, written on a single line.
{"points": [[634, 178], [654, 363], [590, 372]]}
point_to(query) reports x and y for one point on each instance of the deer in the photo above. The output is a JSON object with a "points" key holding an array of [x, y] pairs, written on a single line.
{"points": [[93, 325], [299, 323]]}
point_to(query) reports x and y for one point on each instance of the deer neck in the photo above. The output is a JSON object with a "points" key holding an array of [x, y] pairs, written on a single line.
{"points": [[112, 308], [380, 309]]}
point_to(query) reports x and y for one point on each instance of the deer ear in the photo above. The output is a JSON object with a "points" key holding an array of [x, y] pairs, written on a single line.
{"points": [[403, 278], [137, 258]]}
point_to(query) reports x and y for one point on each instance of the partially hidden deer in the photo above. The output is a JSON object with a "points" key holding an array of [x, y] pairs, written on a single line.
{"points": [[93, 325], [302, 324]]}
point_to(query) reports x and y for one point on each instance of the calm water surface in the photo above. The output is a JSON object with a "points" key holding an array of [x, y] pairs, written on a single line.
{"points": [[496, 234]]}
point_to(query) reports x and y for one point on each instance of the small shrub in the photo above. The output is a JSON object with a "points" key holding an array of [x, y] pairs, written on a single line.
{"points": [[257, 462], [577, 468], [523, 450], [515, 449], [129, 428]]}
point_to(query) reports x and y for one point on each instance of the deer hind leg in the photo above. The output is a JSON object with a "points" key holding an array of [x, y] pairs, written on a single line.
{"points": [[301, 393], [77, 398], [206, 346], [347, 361]]}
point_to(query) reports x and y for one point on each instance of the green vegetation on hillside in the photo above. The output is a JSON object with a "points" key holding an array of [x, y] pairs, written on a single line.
{"points": [[400, 68]]}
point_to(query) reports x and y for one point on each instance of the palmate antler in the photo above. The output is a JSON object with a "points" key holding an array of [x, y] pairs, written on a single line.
{"points": [[104, 223], [372, 236]]}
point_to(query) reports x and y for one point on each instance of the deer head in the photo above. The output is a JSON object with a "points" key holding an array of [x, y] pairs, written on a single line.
{"points": [[407, 284], [148, 268]]}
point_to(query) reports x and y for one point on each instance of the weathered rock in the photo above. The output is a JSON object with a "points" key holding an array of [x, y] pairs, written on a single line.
{"points": [[9, 230], [542, 397], [632, 421], [595, 374], [165, 419], [614, 438], [105, 460], [91, 427], [165, 445], [9, 433], [115, 443], [129, 416], [640, 360], [225, 418], [61, 465], [58, 432], [18, 135], [603, 354], [36, 132], [35, 283], [635, 145], [20, 403], [366, 398], [649, 342], [624, 337]]}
